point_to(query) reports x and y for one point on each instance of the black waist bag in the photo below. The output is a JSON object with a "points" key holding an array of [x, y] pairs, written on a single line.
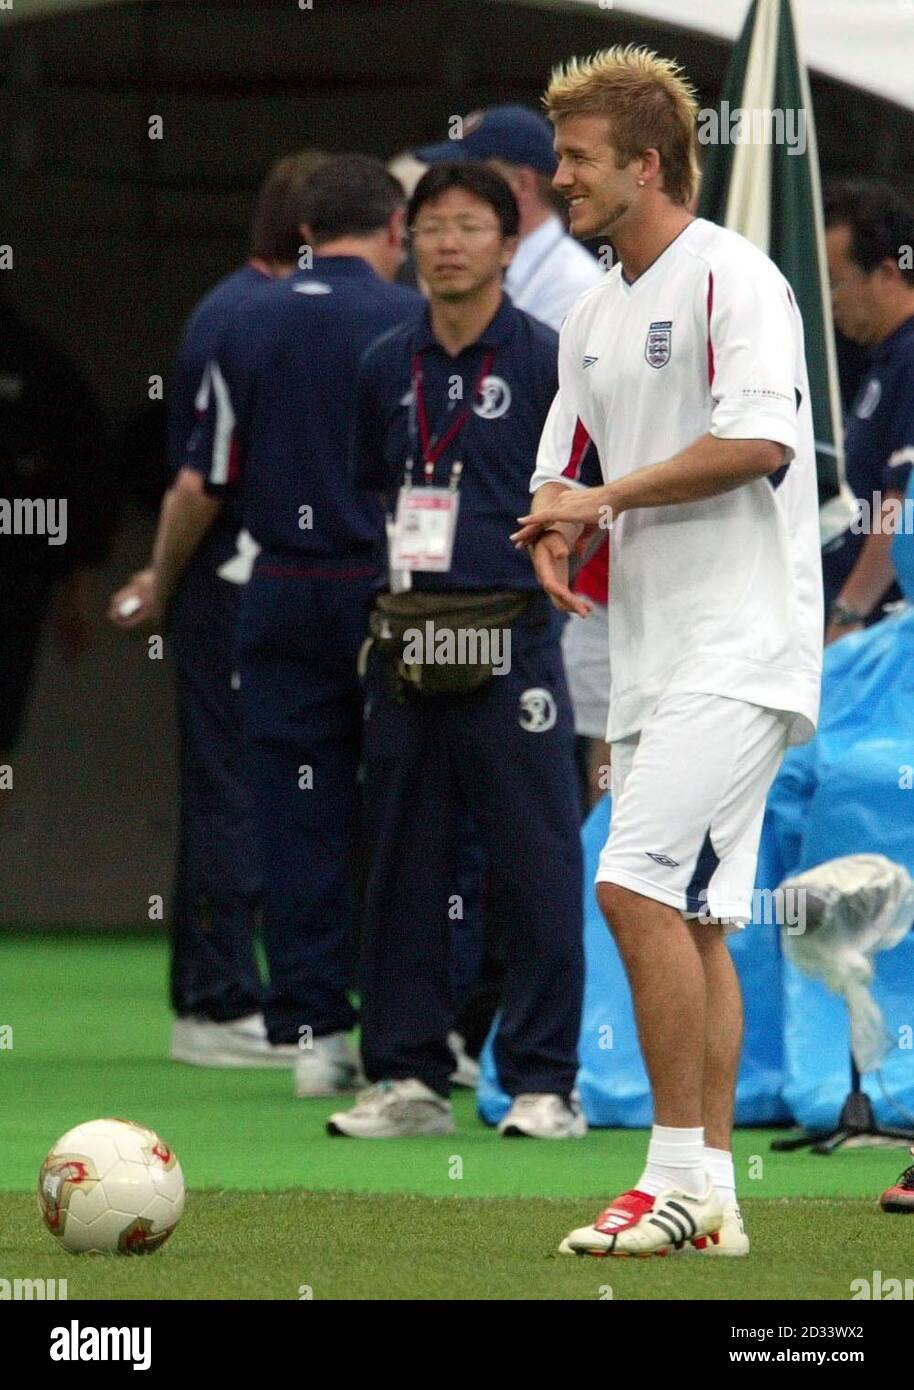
{"points": [[441, 644]]}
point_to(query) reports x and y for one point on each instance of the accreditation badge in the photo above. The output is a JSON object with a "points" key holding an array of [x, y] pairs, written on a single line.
{"points": [[424, 529]]}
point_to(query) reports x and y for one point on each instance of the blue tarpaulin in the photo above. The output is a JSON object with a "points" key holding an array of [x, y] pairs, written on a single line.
{"points": [[851, 791]]}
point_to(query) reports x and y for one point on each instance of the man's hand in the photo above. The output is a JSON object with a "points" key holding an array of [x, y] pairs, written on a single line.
{"points": [[868, 582], [185, 516], [550, 555], [579, 508], [138, 603]]}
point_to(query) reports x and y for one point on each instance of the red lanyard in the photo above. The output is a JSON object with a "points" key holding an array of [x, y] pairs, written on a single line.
{"points": [[431, 453]]}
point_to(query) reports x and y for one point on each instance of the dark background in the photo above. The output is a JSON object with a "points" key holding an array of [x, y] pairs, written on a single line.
{"points": [[115, 235]]}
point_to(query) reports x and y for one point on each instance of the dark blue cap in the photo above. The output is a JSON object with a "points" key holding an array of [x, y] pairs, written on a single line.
{"points": [[511, 133]]}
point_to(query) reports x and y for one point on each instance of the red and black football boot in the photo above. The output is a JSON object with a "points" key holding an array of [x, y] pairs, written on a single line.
{"points": [[900, 1198]]}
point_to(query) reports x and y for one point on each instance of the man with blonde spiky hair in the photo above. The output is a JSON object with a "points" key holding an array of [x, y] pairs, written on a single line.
{"points": [[685, 369]]}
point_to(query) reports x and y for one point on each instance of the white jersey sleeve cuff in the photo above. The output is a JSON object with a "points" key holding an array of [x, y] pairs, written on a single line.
{"points": [[743, 426], [541, 476]]}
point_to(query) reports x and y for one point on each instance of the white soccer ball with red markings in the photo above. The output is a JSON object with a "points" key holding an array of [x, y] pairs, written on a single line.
{"points": [[111, 1187]]}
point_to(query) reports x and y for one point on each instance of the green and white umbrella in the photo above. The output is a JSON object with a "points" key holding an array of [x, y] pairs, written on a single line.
{"points": [[761, 178]]}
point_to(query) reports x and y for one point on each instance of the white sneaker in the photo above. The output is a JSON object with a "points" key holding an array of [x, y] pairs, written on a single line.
{"points": [[544, 1117], [637, 1224], [466, 1072], [328, 1066], [394, 1110], [731, 1240], [242, 1042]]}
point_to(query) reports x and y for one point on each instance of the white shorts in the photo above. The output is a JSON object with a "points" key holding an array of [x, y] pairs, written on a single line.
{"points": [[585, 649], [689, 796]]}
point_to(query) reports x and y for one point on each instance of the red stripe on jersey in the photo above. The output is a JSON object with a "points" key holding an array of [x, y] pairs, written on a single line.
{"points": [[710, 344], [593, 578], [579, 443], [303, 570], [234, 460]]}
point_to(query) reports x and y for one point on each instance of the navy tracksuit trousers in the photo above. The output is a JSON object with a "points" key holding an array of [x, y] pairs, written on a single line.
{"points": [[301, 627], [506, 754], [214, 970]]}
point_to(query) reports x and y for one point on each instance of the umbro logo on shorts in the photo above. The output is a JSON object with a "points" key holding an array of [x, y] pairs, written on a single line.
{"points": [[663, 859], [588, 361]]}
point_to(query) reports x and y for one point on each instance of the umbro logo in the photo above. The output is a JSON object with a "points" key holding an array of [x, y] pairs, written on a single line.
{"points": [[663, 859], [588, 361]]}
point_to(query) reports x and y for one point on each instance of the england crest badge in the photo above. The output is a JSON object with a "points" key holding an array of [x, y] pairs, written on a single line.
{"points": [[659, 343]]}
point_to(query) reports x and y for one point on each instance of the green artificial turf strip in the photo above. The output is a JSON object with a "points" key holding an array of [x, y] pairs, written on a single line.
{"points": [[278, 1245], [91, 1025]]}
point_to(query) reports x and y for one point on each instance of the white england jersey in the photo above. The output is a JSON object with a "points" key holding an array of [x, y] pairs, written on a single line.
{"points": [[722, 595]]}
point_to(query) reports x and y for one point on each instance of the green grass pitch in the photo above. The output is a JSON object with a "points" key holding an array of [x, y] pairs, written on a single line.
{"points": [[278, 1210], [322, 1245]]}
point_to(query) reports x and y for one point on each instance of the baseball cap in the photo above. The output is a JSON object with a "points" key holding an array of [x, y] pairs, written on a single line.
{"points": [[511, 133]]}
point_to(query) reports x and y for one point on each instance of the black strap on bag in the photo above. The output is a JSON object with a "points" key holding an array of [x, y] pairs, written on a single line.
{"points": [[403, 623]]}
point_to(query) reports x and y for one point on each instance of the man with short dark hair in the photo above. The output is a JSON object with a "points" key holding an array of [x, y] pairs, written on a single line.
{"points": [[216, 990], [549, 270], [467, 706], [548, 273], [275, 407], [870, 242]]}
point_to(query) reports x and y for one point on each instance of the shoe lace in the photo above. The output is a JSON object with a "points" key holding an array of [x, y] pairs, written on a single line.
{"points": [[611, 1218], [375, 1091], [537, 1102], [621, 1211], [906, 1180], [530, 1102]]}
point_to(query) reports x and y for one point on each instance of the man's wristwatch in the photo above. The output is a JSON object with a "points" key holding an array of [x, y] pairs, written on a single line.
{"points": [[839, 615]]}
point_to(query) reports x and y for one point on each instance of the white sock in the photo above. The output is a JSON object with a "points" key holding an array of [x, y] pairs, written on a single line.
{"points": [[719, 1163], [675, 1158]]}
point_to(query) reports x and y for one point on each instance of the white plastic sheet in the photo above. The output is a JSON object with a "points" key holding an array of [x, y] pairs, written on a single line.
{"points": [[852, 908]]}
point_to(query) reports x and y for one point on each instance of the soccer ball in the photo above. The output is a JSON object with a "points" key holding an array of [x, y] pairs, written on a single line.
{"points": [[111, 1187]]}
